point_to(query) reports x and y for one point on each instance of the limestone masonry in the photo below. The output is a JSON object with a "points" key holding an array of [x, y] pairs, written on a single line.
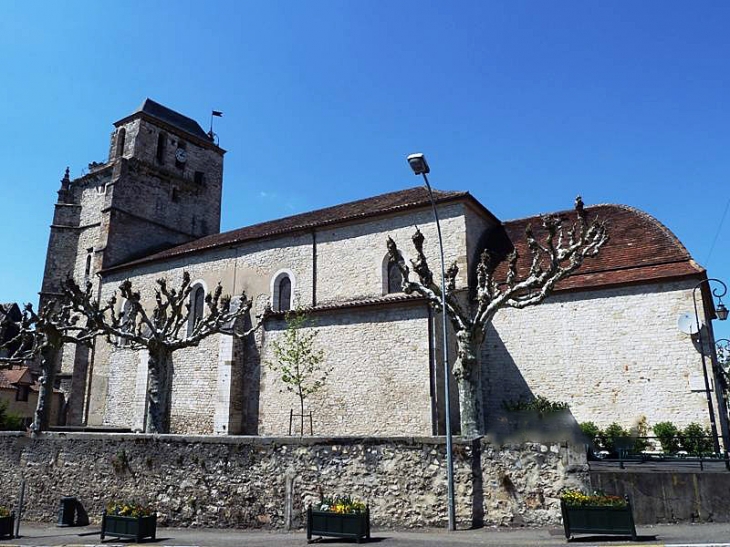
{"points": [[265, 482], [606, 341]]}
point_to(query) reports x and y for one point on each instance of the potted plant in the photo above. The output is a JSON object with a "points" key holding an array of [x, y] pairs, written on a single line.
{"points": [[339, 517], [128, 520], [6, 522], [596, 513]]}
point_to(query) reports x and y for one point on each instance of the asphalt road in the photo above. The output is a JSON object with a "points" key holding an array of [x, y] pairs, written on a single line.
{"points": [[705, 535]]}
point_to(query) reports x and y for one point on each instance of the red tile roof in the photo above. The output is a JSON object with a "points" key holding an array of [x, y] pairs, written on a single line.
{"points": [[385, 300], [640, 249], [9, 378], [392, 202]]}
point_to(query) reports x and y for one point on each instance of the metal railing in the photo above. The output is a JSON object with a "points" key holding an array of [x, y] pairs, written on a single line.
{"points": [[622, 450]]}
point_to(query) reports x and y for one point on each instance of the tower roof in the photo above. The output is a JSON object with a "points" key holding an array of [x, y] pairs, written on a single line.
{"points": [[170, 117]]}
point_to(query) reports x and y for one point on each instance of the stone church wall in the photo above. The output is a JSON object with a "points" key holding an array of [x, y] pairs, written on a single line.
{"points": [[390, 344], [352, 259], [256, 482], [379, 374], [601, 356]]}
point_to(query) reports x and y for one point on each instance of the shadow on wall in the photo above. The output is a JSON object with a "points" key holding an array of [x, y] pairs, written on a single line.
{"points": [[503, 386], [249, 388]]}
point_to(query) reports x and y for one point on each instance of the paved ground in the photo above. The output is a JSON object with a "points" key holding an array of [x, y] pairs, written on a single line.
{"points": [[706, 535]]}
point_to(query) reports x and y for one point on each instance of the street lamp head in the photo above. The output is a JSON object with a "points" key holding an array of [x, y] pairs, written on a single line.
{"points": [[721, 311], [419, 164]]}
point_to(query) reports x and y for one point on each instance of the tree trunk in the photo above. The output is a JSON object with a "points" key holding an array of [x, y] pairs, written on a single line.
{"points": [[468, 378], [158, 392], [45, 392]]}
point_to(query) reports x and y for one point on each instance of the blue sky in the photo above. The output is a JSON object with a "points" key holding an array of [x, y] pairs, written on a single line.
{"points": [[524, 104]]}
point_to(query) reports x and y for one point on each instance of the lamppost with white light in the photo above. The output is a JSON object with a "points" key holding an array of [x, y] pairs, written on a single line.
{"points": [[420, 167], [721, 312]]}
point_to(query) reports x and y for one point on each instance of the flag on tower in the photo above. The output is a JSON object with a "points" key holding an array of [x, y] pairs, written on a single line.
{"points": [[218, 113]]}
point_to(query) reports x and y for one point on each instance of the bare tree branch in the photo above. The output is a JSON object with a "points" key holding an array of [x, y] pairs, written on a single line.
{"points": [[163, 331], [560, 254]]}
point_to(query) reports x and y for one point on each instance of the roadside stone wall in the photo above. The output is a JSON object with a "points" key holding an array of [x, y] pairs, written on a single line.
{"points": [[260, 482]]}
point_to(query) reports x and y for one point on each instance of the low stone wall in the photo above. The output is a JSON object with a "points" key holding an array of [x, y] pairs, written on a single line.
{"points": [[672, 495], [267, 482]]}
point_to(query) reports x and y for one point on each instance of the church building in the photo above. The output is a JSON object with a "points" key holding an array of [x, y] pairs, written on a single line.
{"points": [[606, 341]]}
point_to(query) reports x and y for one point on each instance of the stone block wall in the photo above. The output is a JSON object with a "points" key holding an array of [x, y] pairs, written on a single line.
{"points": [[254, 482], [379, 381], [352, 259], [601, 357], [387, 391]]}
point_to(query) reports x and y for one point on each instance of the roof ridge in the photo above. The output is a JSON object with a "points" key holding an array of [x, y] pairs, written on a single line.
{"points": [[635, 210], [563, 211]]}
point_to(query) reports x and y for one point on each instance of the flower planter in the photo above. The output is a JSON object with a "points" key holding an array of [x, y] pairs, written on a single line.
{"points": [[598, 520], [343, 525], [136, 528], [6, 526]]}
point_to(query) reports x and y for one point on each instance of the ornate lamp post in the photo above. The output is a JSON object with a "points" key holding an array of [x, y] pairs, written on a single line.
{"points": [[420, 167], [722, 352], [721, 311]]}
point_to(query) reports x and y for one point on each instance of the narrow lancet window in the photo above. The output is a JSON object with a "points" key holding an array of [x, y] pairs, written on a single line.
{"points": [[161, 141], [285, 294], [197, 302], [121, 136]]}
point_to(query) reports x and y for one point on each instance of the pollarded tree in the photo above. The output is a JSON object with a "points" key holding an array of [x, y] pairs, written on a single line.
{"points": [[162, 332], [559, 254], [41, 336]]}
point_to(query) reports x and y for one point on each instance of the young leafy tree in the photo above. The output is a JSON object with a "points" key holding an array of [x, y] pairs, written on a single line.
{"points": [[298, 361], [553, 257], [161, 332], [41, 336]]}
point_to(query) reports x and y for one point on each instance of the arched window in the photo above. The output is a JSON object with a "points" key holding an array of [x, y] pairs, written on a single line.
{"points": [[87, 269], [395, 278], [197, 303], [121, 135], [284, 294], [282, 290], [391, 276]]}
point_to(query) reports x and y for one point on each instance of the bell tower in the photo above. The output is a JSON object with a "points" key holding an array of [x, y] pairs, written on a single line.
{"points": [[165, 186], [160, 187]]}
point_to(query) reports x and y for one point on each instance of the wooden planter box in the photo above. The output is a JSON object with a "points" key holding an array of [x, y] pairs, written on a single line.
{"points": [[136, 528], [324, 523], [6, 526], [598, 520]]}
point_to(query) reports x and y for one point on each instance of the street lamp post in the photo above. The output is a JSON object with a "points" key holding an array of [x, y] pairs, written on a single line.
{"points": [[420, 167], [721, 312], [722, 357]]}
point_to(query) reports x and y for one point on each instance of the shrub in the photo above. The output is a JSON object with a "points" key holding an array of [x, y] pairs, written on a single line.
{"points": [[590, 430], [640, 431], [8, 420], [668, 435], [610, 434], [696, 440]]}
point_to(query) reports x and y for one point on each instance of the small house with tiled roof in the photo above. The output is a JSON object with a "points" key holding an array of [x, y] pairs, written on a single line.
{"points": [[19, 391], [606, 342]]}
